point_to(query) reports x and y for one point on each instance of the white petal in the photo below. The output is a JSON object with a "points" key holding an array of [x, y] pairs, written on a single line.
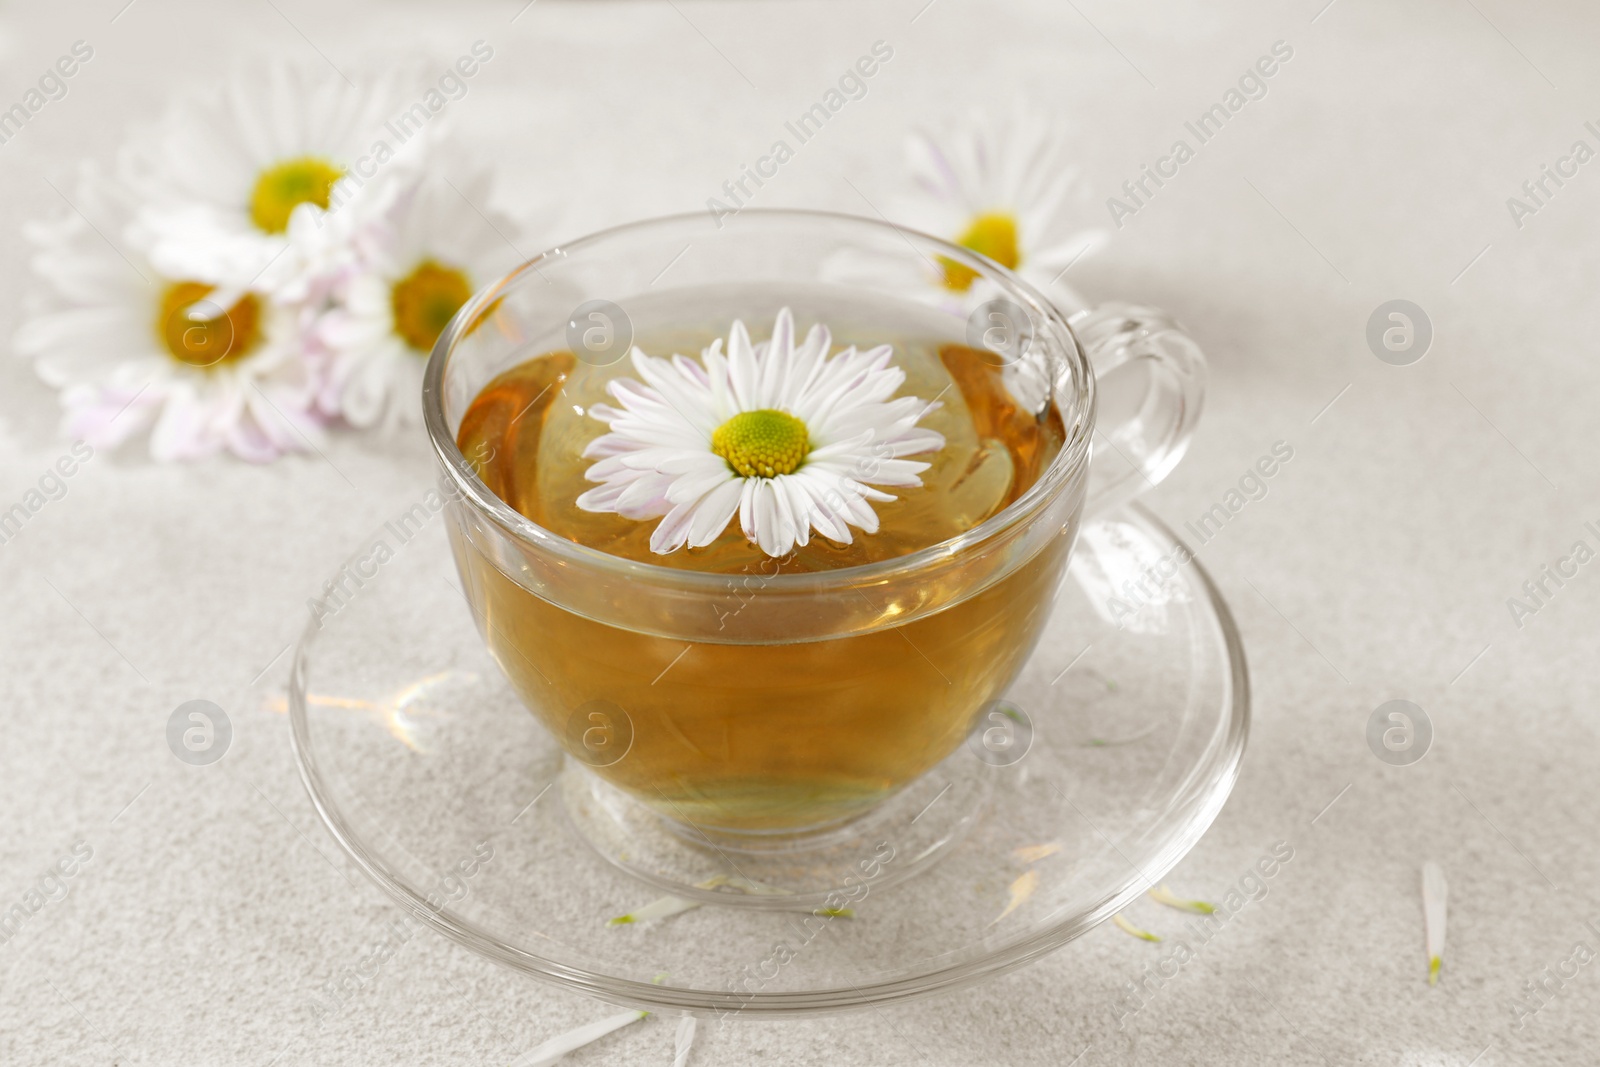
{"points": [[803, 510], [723, 401], [688, 488], [687, 397], [660, 908], [556, 1048], [645, 497], [714, 512], [692, 370], [794, 515], [826, 497], [905, 473], [671, 533], [774, 535], [743, 374], [609, 444], [615, 468], [779, 354], [683, 1041], [808, 364], [180, 430], [881, 420], [916, 442], [857, 447], [105, 418], [678, 461], [1435, 897], [747, 508], [833, 390], [602, 499], [366, 391], [860, 512]]}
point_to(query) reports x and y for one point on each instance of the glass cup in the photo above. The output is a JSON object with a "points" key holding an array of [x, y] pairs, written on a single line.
{"points": [[765, 705]]}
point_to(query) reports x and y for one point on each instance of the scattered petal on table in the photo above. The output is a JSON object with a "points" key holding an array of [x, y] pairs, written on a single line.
{"points": [[684, 1041], [665, 907], [1035, 853], [659, 908], [557, 1047], [1021, 890], [1162, 895], [1435, 895], [1128, 927]]}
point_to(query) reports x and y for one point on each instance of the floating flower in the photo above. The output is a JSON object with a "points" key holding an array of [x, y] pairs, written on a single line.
{"points": [[202, 361], [225, 177], [1003, 189], [787, 437], [1435, 895], [407, 278]]}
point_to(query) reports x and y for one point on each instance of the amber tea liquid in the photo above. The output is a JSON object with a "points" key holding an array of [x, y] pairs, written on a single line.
{"points": [[775, 735]]}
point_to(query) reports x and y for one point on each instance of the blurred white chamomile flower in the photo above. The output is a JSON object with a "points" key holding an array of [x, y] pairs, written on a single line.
{"points": [[440, 242], [1004, 188], [202, 361], [279, 150]]}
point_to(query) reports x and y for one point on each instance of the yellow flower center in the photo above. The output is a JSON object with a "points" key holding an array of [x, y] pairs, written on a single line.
{"points": [[284, 187], [198, 333], [762, 444], [993, 235], [424, 302]]}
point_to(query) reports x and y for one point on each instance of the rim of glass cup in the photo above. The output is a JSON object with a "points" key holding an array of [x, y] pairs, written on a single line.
{"points": [[1074, 453]]}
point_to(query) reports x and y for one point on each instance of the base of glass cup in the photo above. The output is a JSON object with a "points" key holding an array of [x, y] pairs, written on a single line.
{"points": [[825, 867]]}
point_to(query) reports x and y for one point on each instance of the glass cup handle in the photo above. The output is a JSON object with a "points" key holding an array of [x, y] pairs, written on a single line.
{"points": [[1150, 377]]}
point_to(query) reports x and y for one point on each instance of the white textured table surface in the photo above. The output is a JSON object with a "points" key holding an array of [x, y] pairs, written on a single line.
{"points": [[1378, 566]]}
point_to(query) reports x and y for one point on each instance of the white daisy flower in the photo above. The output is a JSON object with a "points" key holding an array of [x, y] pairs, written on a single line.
{"points": [[227, 176], [785, 436], [407, 278], [204, 366], [1003, 189]]}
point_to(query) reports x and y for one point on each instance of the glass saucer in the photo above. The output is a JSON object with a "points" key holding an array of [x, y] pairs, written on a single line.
{"points": [[1104, 765]]}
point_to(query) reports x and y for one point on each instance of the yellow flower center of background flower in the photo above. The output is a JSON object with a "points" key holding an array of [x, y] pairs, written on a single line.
{"points": [[199, 333], [762, 444], [284, 187], [425, 300], [993, 235]]}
